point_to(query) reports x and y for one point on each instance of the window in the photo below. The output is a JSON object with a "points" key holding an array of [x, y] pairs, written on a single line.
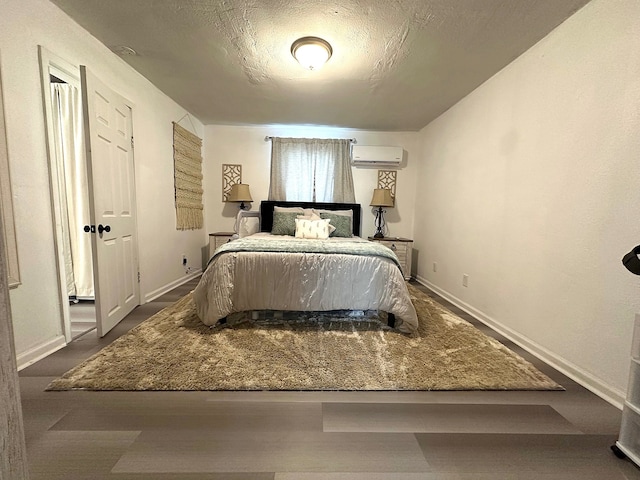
{"points": [[311, 170]]}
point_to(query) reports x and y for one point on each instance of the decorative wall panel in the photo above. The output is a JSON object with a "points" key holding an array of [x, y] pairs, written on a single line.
{"points": [[231, 174], [387, 179]]}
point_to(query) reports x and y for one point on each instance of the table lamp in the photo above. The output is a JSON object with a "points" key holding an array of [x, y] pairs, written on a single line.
{"points": [[381, 198], [239, 193]]}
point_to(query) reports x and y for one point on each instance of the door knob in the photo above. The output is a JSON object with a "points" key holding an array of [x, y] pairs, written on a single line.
{"points": [[105, 228], [90, 228]]}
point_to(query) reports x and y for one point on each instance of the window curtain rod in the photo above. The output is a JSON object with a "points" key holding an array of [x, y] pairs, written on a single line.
{"points": [[268, 138]]}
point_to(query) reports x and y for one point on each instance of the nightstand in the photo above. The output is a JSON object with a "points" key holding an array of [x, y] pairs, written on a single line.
{"points": [[218, 239], [403, 248]]}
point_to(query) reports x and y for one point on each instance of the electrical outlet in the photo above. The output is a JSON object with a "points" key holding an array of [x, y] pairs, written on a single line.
{"points": [[465, 280], [435, 267], [184, 260]]}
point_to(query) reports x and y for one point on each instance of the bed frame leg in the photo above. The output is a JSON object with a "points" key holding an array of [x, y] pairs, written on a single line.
{"points": [[391, 320]]}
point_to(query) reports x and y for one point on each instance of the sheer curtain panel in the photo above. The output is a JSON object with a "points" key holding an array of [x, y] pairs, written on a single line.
{"points": [[72, 181], [311, 170]]}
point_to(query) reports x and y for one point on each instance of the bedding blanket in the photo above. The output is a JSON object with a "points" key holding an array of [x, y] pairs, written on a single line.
{"points": [[267, 272], [279, 243]]}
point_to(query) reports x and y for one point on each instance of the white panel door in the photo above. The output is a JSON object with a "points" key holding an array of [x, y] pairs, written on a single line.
{"points": [[108, 134]]}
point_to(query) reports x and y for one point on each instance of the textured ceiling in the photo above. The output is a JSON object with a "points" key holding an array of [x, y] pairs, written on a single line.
{"points": [[396, 64]]}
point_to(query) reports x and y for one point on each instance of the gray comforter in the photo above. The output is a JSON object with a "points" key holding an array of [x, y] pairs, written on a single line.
{"points": [[271, 272]]}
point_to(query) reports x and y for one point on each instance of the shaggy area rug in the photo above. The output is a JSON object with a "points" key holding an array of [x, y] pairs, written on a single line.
{"points": [[173, 350]]}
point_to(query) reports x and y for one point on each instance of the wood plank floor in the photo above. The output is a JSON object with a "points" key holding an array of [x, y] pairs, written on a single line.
{"points": [[313, 435]]}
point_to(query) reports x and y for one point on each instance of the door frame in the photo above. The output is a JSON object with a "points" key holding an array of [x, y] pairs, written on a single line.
{"points": [[70, 74], [51, 63]]}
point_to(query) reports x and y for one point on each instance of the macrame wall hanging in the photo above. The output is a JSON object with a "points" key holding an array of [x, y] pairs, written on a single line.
{"points": [[187, 160]]}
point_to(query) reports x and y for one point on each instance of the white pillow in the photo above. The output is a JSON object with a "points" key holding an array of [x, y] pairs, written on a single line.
{"points": [[300, 210], [309, 216], [312, 228], [347, 213]]}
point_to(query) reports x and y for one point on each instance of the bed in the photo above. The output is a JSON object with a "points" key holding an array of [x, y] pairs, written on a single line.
{"points": [[266, 271]]}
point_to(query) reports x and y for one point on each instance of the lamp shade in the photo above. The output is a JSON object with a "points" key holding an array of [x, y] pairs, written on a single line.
{"points": [[239, 193], [382, 198]]}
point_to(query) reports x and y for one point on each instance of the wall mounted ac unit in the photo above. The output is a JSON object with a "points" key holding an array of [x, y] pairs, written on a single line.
{"points": [[372, 155]]}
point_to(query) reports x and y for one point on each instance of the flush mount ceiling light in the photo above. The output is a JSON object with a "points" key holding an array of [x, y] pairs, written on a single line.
{"points": [[124, 51], [311, 52]]}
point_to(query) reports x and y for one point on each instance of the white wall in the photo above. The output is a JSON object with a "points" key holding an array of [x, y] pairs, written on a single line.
{"points": [[531, 186], [24, 25], [246, 146]]}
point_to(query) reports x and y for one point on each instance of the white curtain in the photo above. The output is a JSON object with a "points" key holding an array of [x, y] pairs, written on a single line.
{"points": [[311, 170], [73, 188]]}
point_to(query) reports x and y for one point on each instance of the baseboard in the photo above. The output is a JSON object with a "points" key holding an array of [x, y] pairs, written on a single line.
{"points": [[34, 354], [594, 384], [149, 297]]}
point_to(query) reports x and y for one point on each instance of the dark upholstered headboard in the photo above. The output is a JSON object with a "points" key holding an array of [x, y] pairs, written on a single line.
{"points": [[266, 211]]}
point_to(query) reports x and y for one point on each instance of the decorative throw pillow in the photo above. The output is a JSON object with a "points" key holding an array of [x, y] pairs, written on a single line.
{"points": [[312, 228], [341, 222], [315, 216], [284, 223]]}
